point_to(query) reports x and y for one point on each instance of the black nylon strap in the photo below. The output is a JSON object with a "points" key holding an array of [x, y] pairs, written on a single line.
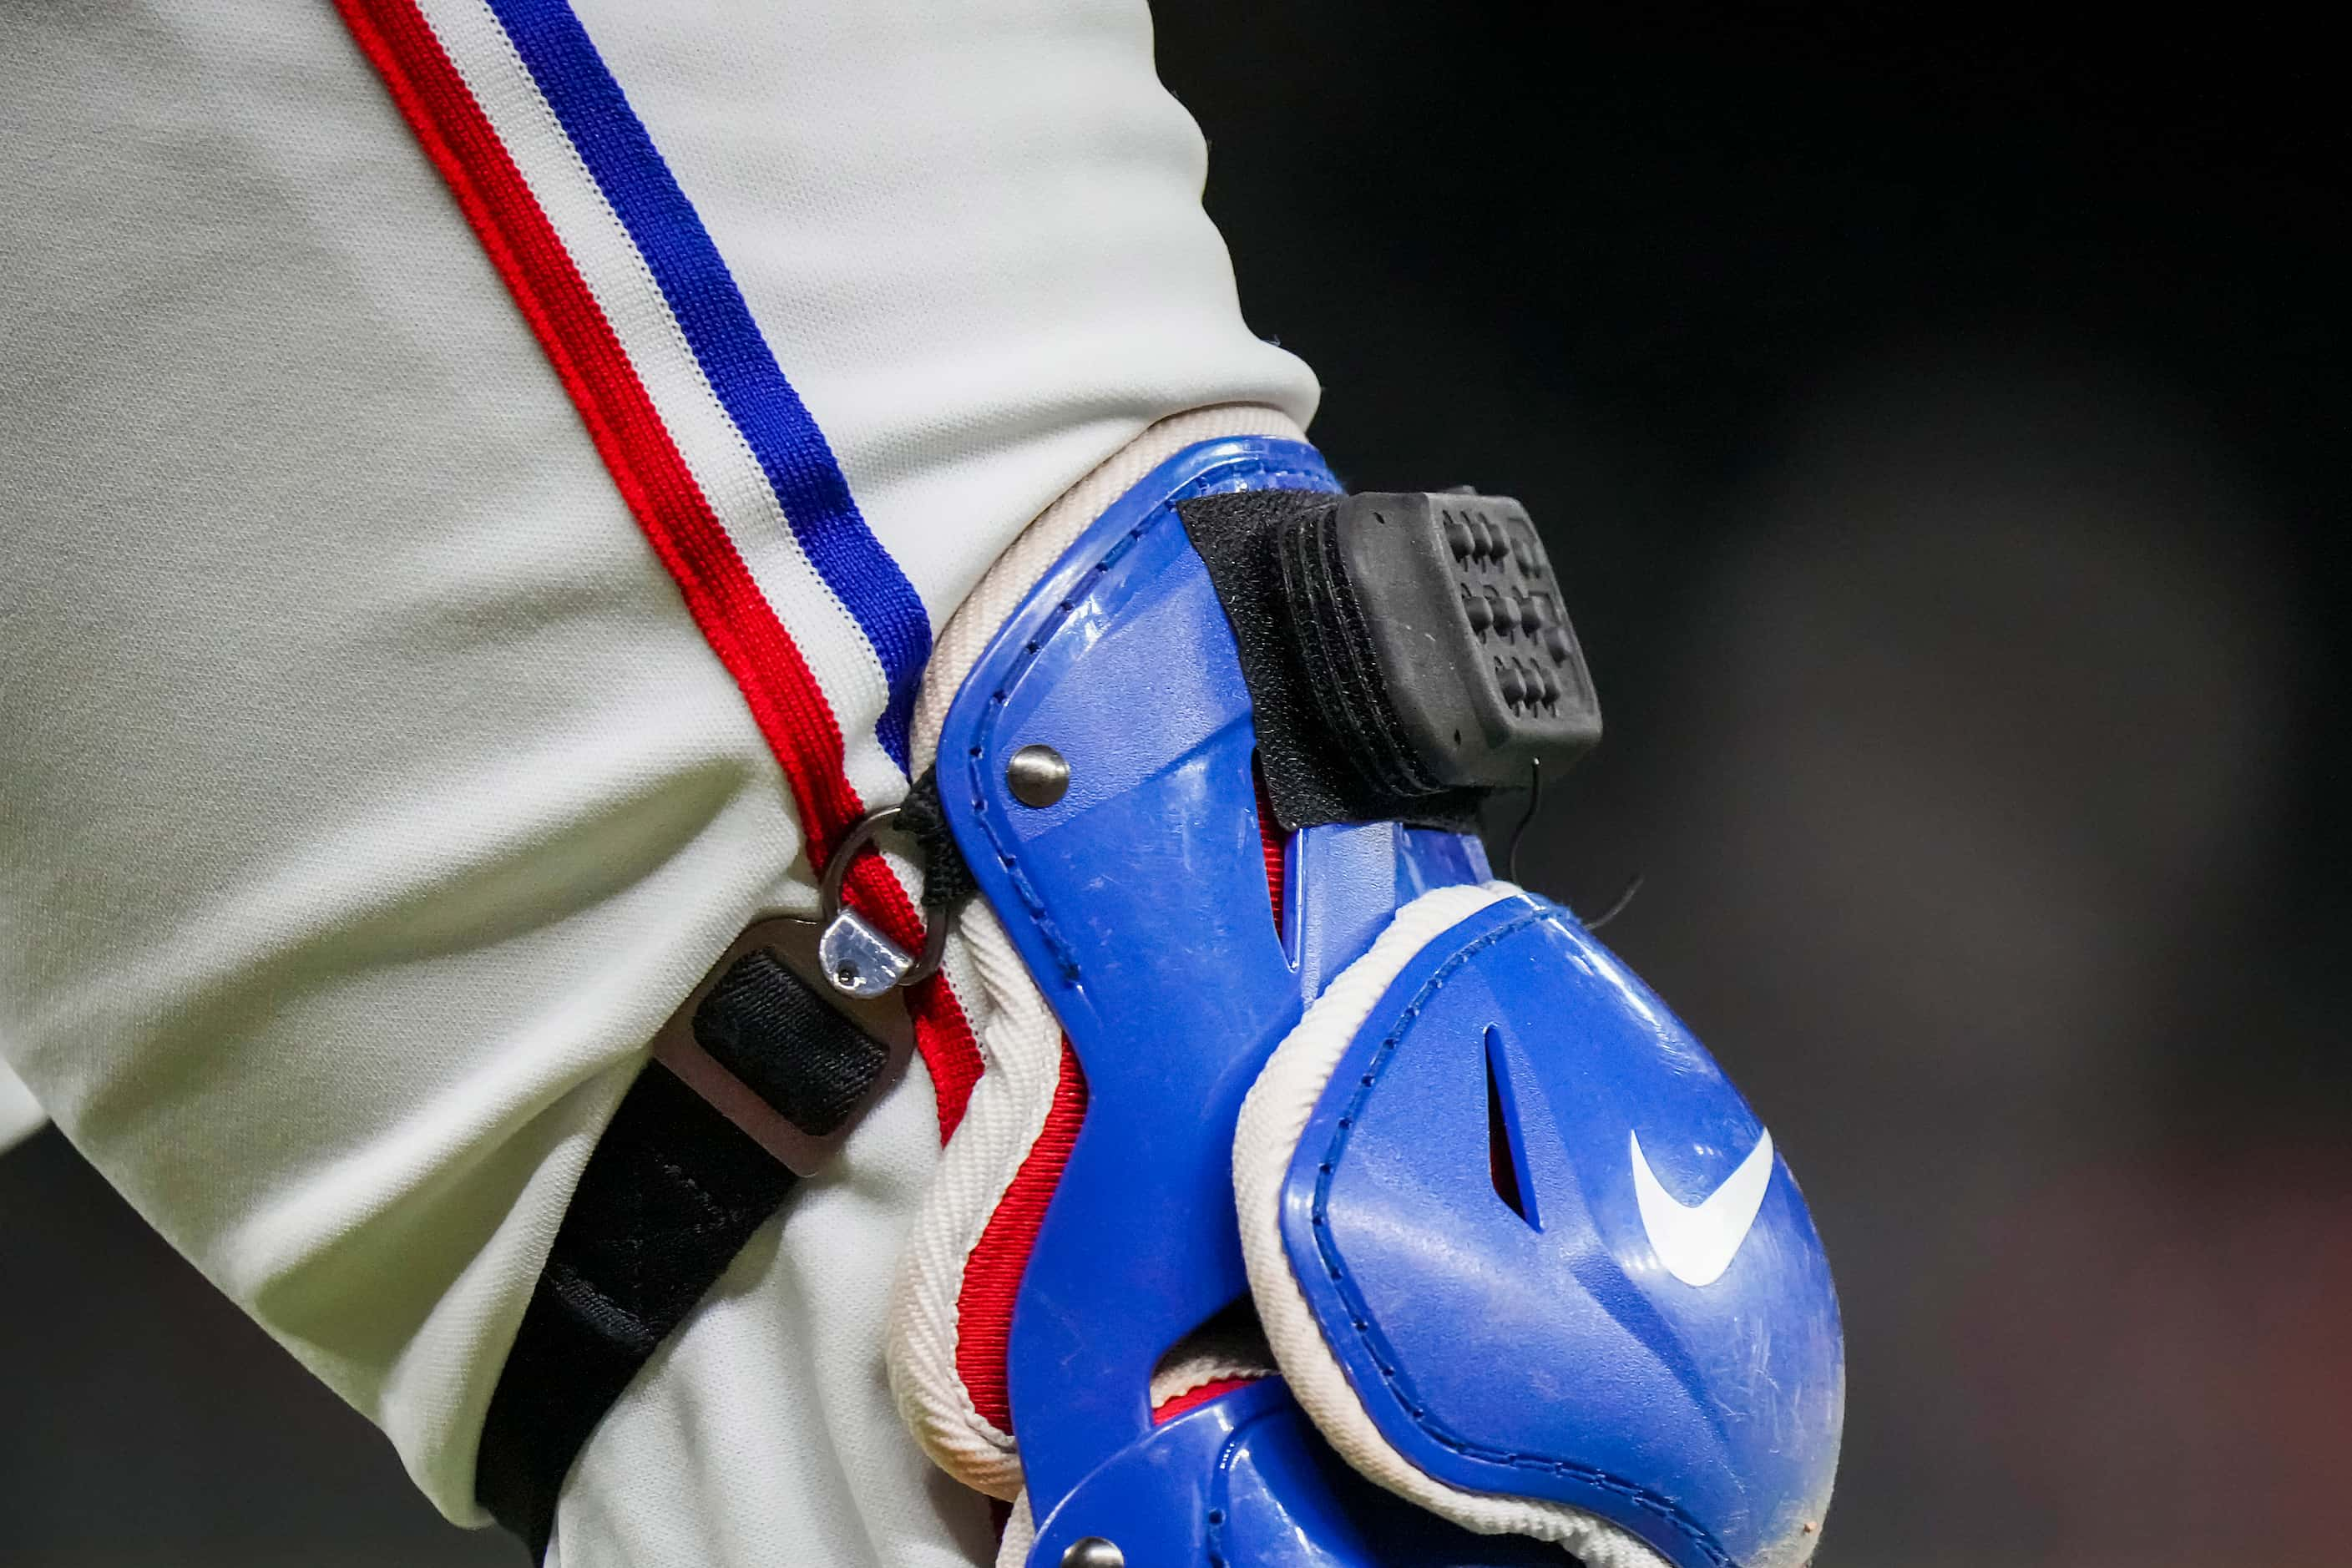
{"points": [[1318, 769], [762, 1023], [948, 881], [669, 1195]]}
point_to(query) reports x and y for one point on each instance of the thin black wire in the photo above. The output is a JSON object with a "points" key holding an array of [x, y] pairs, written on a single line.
{"points": [[1511, 855], [1617, 905], [1535, 800]]}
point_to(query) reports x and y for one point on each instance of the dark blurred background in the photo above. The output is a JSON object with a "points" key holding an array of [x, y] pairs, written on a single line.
{"points": [[1943, 442]]}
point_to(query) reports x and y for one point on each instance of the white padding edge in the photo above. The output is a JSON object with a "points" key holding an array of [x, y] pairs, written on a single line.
{"points": [[1021, 1053], [1020, 1040], [1020, 1535], [1273, 1118]]}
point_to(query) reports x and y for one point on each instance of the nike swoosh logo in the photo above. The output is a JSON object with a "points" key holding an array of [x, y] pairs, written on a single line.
{"points": [[1697, 1242]]}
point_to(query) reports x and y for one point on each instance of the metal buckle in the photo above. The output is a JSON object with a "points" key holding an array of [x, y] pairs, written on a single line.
{"points": [[793, 942], [857, 960]]}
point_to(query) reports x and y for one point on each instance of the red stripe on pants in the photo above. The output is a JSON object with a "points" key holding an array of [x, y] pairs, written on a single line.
{"points": [[735, 616]]}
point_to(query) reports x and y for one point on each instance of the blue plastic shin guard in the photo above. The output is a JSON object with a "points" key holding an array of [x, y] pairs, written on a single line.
{"points": [[1524, 1257]]}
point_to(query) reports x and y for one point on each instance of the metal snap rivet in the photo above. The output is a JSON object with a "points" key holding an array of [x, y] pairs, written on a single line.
{"points": [[1038, 776], [1093, 1551]]}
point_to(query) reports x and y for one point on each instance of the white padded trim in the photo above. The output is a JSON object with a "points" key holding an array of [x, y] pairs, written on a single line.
{"points": [[1237, 1351], [1021, 1053], [1273, 1118], [1020, 1535], [1187, 1373], [1020, 1040]]}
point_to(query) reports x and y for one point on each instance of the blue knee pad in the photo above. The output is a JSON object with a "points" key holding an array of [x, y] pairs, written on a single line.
{"points": [[1530, 1272]]}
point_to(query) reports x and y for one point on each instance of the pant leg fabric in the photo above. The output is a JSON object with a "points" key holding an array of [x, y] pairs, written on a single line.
{"points": [[369, 794]]}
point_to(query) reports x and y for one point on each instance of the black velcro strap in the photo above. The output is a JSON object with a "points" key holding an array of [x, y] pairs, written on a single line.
{"points": [[765, 1025], [948, 881], [1336, 654], [1316, 769], [669, 1195]]}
